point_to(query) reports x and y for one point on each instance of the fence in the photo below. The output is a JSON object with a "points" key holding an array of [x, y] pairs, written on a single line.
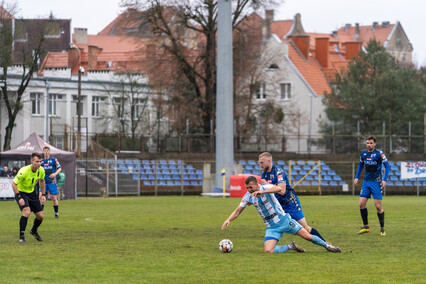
{"points": [[123, 177]]}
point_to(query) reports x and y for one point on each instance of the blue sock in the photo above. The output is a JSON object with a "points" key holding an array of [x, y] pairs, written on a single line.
{"points": [[316, 240], [314, 232], [280, 249]]}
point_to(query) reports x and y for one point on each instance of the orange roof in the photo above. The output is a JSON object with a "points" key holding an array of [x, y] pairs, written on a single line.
{"points": [[366, 33], [281, 28], [55, 60], [310, 69]]}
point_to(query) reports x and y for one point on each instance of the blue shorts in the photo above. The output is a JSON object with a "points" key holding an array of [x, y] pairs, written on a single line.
{"points": [[370, 187], [52, 188], [287, 225], [294, 209]]}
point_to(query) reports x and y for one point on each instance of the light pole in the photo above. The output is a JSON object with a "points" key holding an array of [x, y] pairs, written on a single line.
{"points": [[78, 103]]}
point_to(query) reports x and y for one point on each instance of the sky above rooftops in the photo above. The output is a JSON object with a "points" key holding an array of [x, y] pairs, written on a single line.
{"points": [[317, 16]]}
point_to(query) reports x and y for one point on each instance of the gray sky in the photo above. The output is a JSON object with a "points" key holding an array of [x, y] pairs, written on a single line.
{"points": [[322, 16]]}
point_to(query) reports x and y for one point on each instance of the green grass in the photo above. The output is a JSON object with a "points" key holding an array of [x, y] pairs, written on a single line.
{"points": [[175, 240]]}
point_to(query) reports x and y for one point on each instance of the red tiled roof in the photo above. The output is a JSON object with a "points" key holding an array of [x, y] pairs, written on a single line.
{"points": [[366, 33], [310, 69], [56, 60], [281, 28]]}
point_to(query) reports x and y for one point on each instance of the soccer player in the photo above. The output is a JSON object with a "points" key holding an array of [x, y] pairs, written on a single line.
{"points": [[52, 168], [28, 198], [277, 221], [272, 174], [373, 184]]}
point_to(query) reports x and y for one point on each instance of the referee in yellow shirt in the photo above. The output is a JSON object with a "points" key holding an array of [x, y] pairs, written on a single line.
{"points": [[27, 198]]}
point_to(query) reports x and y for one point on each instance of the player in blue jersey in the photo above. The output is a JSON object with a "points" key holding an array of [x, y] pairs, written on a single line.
{"points": [[272, 174], [277, 221], [52, 168], [372, 159]]}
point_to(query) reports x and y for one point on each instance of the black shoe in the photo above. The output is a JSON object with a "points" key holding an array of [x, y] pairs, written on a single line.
{"points": [[36, 236], [56, 216], [22, 240]]}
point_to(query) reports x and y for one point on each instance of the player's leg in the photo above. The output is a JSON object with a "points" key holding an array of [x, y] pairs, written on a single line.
{"points": [[363, 198], [310, 230], [55, 205], [26, 211], [377, 195], [37, 209], [316, 240], [272, 237]]}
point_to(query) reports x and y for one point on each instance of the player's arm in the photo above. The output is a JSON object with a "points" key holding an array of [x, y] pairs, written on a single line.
{"points": [[42, 185], [59, 169], [234, 215], [18, 196], [358, 172], [385, 178], [274, 189]]}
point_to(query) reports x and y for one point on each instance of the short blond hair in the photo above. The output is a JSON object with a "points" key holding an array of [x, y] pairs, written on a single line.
{"points": [[266, 155]]}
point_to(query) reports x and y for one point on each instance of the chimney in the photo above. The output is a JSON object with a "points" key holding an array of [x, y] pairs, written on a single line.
{"points": [[92, 57], [352, 49], [374, 26], [357, 28], [385, 24], [80, 35], [299, 37], [322, 50], [347, 26], [334, 34], [269, 17], [73, 59]]}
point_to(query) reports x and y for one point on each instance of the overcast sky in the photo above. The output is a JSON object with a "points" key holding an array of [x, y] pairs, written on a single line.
{"points": [[321, 16]]}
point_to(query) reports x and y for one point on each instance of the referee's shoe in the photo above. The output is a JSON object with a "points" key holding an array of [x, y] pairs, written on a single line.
{"points": [[36, 235]]}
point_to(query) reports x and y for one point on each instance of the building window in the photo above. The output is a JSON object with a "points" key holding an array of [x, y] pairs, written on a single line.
{"points": [[285, 91], [96, 101], [260, 89], [119, 107], [139, 106], [52, 29], [35, 103], [75, 100], [21, 30], [53, 100]]}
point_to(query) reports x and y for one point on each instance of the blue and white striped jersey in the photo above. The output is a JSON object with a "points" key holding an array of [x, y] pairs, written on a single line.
{"points": [[267, 205]]}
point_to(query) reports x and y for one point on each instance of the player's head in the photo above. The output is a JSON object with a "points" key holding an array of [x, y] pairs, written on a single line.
{"points": [[5, 168], [371, 142], [251, 184], [35, 160], [46, 152], [265, 161]]}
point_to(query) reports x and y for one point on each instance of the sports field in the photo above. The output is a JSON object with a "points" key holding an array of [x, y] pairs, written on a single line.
{"points": [[175, 240]]}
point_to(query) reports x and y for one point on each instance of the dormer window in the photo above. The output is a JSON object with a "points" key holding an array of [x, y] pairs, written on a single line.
{"points": [[274, 66]]}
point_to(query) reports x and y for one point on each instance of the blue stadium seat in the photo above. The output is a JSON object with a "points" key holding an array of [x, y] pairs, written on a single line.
{"points": [[162, 182], [247, 172], [280, 163], [301, 163], [325, 168], [170, 183], [103, 161], [331, 173], [135, 177], [306, 182], [144, 177], [391, 163], [342, 182], [393, 178], [249, 167], [297, 168], [398, 163], [189, 167], [186, 177], [173, 167], [199, 172], [147, 182], [324, 183], [397, 173], [293, 172], [242, 162], [314, 182], [163, 162], [124, 171], [190, 171], [119, 161], [399, 183], [175, 172], [285, 168], [306, 168], [338, 178], [311, 163], [408, 183], [309, 178], [394, 168], [302, 172], [186, 183], [172, 162], [328, 178], [194, 183], [178, 183], [333, 183], [389, 183], [151, 177], [252, 162]]}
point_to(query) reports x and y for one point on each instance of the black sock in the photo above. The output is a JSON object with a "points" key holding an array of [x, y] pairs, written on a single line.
{"points": [[42, 207], [55, 207], [22, 225], [36, 224], [381, 219], [316, 233], [364, 216]]}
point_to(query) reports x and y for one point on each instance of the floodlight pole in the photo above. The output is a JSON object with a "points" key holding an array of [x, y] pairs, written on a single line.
{"points": [[224, 95], [78, 102]]}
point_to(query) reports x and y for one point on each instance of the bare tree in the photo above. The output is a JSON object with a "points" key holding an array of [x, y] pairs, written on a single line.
{"points": [[188, 35]]}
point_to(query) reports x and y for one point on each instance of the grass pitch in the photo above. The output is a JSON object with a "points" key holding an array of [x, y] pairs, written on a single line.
{"points": [[175, 240]]}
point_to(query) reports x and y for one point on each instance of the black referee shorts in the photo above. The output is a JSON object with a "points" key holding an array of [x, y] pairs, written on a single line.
{"points": [[31, 200]]}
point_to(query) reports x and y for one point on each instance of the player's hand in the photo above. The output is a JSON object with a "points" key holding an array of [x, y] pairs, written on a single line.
{"points": [[263, 181], [256, 194], [225, 224], [21, 202], [356, 181], [52, 176], [382, 184], [42, 199]]}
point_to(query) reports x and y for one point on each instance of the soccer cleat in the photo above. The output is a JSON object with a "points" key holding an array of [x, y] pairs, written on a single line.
{"points": [[56, 216], [294, 246], [22, 240], [36, 236], [382, 232], [364, 230], [332, 248]]}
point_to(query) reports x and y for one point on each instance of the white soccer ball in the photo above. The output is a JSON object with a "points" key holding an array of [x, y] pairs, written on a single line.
{"points": [[226, 246]]}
